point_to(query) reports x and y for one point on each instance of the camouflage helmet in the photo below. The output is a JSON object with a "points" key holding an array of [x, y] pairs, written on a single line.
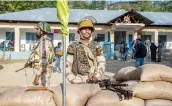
{"points": [[44, 27], [86, 22]]}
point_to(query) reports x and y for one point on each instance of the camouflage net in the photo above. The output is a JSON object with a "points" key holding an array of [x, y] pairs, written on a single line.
{"points": [[167, 54]]}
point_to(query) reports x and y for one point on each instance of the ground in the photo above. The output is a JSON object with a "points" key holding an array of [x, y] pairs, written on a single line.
{"points": [[8, 77]]}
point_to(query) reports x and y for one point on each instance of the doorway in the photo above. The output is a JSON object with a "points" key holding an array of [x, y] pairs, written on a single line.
{"points": [[120, 37], [130, 41]]}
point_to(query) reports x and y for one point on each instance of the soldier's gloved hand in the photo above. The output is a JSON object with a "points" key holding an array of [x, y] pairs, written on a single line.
{"points": [[91, 79], [28, 64]]}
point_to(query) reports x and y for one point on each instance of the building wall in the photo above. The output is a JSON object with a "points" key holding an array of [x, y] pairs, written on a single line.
{"points": [[77, 36], [169, 39], [102, 32], [3, 33], [57, 38]]}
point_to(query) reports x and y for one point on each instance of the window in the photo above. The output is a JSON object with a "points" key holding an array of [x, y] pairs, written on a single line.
{"points": [[145, 37], [9, 35], [100, 37], [51, 36], [30, 36], [162, 38], [71, 37]]}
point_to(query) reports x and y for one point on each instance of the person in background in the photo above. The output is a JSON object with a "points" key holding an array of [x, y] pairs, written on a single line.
{"points": [[147, 44], [59, 53], [42, 56], [153, 49], [122, 51], [126, 51], [133, 49], [141, 52], [160, 46]]}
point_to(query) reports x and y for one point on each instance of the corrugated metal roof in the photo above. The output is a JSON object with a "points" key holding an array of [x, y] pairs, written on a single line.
{"points": [[159, 18], [49, 15], [102, 16]]}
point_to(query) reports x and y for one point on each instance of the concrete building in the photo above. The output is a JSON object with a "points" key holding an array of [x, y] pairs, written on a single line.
{"points": [[112, 26]]}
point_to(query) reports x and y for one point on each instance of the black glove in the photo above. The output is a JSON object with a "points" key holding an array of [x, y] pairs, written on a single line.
{"points": [[28, 64]]}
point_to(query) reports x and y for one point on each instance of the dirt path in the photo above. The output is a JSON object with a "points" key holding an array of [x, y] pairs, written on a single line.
{"points": [[8, 77]]}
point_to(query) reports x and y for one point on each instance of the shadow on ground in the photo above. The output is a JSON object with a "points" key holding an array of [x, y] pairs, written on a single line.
{"points": [[1, 67], [115, 65]]}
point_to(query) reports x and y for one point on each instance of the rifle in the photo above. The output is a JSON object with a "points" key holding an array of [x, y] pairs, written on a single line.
{"points": [[115, 87], [25, 66]]}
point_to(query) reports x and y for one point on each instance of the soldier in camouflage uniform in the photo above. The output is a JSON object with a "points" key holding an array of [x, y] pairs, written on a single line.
{"points": [[85, 58], [42, 55]]}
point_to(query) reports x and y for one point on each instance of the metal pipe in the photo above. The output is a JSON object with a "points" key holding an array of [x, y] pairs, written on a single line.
{"points": [[64, 71]]}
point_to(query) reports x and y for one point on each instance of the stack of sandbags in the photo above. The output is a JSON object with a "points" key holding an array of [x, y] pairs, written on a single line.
{"points": [[148, 82], [76, 94], [127, 74], [109, 98], [20, 97], [6, 88], [158, 102], [155, 83], [131, 76]]}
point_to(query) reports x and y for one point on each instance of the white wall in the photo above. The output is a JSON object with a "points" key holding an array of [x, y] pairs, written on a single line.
{"points": [[94, 34], [57, 37]]}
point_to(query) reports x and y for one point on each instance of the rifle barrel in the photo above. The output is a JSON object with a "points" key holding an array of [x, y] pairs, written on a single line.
{"points": [[119, 84], [20, 69]]}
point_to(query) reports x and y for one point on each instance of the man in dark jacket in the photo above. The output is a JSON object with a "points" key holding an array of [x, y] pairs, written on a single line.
{"points": [[153, 49], [140, 52]]}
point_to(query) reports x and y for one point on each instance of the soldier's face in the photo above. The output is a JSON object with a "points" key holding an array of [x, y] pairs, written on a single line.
{"points": [[86, 32], [38, 31]]}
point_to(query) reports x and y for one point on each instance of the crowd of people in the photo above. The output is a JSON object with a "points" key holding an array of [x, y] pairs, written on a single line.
{"points": [[141, 50], [9, 45]]}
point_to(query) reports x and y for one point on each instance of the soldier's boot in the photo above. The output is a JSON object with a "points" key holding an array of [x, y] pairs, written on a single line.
{"points": [[36, 80]]}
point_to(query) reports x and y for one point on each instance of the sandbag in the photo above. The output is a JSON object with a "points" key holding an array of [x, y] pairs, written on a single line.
{"points": [[76, 94], [104, 98], [153, 90], [18, 97], [127, 73], [158, 102], [131, 84], [132, 102], [6, 88], [155, 72]]}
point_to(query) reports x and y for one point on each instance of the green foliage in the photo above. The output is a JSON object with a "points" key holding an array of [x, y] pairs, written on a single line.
{"points": [[14, 6], [156, 6]]}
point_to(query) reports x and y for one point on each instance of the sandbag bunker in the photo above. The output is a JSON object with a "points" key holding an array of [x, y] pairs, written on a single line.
{"points": [[150, 83]]}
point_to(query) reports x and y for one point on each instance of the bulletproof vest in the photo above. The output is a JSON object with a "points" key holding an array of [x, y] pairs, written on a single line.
{"points": [[80, 63], [43, 52]]}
